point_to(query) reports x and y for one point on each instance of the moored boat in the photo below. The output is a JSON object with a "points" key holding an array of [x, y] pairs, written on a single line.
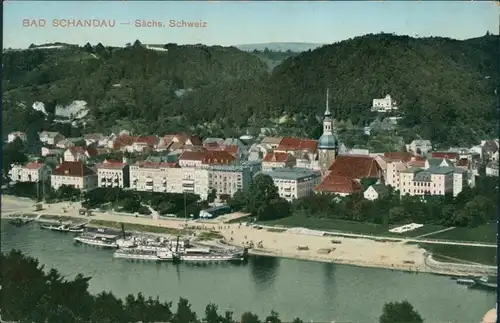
{"points": [[59, 228], [465, 281], [97, 240], [145, 255], [20, 221], [486, 282]]}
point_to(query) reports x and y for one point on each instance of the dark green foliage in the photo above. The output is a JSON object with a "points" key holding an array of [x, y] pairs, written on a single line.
{"points": [[472, 207], [400, 312], [445, 88], [262, 199]]}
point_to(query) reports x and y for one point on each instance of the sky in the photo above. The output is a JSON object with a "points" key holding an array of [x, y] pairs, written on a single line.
{"points": [[242, 22]]}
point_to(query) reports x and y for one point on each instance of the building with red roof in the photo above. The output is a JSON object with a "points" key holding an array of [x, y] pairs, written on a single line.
{"points": [[275, 160], [31, 172], [75, 174], [113, 173]]}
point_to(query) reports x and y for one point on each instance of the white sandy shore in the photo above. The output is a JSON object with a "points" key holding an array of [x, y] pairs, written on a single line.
{"points": [[360, 252]]}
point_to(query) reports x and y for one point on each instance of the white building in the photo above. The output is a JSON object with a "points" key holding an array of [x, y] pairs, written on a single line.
{"points": [[375, 191], [228, 179], [432, 181], [14, 135], [492, 169], [384, 105], [31, 172], [277, 160], [419, 147], [190, 180], [75, 174], [149, 176], [113, 174], [294, 183], [460, 180], [50, 138]]}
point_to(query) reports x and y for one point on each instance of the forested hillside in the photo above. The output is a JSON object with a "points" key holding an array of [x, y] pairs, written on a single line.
{"points": [[445, 88]]}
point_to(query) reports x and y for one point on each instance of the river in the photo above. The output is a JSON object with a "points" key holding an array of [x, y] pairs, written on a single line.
{"points": [[309, 290]]}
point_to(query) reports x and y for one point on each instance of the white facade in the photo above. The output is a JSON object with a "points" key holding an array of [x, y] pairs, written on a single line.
{"points": [[371, 193], [110, 176], [149, 177], [50, 138], [394, 169], [492, 169], [51, 151], [71, 155], [32, 172], [384, 105], [460, 180], [87, 182], [14, 135], [419, 182], [190, 180], [419, 147], [295, 184]]}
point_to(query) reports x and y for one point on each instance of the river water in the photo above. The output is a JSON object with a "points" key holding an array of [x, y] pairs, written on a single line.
{"points": [[309, 290]]}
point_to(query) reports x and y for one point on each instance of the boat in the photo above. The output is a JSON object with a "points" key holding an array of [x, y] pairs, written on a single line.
{"points": [[59, 228], [465, 281], [210, 257], [20, 221], [486, 282], [97, 240], [145, 255]]}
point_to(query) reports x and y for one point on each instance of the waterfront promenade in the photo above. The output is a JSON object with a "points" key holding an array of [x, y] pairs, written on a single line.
{"points": [[353, 250]]}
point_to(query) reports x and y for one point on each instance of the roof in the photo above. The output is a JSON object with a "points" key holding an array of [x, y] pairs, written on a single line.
{"points": [[271, 140], [50, 134], [277, 157], [463, 162], [209, 140], [93, 136], [209, 157], [111, 164], [437, 161], [356, 167], [446, 155], [77, 150], [328, 141], [195, 140], [338, 184], [292, 144], [34, 165], [148, 140], [380, 189], [149, 164], [77, 169], [291, 173], [399, 156]]}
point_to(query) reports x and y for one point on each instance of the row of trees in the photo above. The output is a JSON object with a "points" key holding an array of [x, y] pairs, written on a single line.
{"points": [[134, 201], [472, 207], [29, 294]]}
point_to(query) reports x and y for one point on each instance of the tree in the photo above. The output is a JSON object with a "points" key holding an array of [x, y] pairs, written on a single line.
{"points": [[273, 317], [399, 312], [238, 201], [260, 194], [184, 313], [212, 195], [249, 317]]}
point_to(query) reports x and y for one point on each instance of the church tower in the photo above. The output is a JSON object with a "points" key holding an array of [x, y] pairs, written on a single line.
{"points": [[328, 142]]}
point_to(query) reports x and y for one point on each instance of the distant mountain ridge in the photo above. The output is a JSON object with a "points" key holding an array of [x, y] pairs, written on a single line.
{"points": [[280, 47]]}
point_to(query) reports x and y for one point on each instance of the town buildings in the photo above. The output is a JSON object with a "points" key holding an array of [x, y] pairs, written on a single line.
{"points": [[50, 138], [31, 172], [328, 142], [228, 179], [294, 183], [75, 174], [386, 104], [113, 174], [17, 134]]}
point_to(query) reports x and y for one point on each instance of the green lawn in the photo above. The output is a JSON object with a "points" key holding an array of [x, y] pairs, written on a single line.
{"points": [[482, 255], [483, 233], [349, 226]]}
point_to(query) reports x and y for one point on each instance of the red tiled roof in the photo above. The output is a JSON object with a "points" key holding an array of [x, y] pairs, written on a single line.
{"points": [[192, 155], [112, 164], [464, 162], [338, 184], [91, 151], [276, 157], [399, 156], [148, 140], [446, 155], [292, 144], [417, 163], [34, 165], [213, 146], [218, 158], [77, 150], [77, 169], [355, 167]]}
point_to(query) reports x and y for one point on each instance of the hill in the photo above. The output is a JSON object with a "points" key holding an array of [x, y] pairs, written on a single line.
{"points": [[280, 47], [445, 88]]}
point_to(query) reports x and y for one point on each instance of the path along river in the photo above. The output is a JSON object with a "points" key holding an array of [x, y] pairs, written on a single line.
{"points": [[312, 291]]}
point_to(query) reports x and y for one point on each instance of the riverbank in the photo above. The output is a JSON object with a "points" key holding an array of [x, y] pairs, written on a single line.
{"points": [[285, 244]]}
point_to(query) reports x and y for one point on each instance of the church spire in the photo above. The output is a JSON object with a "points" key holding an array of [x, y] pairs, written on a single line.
{"points": [[327, 110]]}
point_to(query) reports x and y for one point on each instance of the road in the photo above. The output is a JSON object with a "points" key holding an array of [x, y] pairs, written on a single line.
{"points": [[15, 205]]}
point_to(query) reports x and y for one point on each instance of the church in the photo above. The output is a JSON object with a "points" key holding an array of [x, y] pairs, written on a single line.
{"points": [[341, 174]]}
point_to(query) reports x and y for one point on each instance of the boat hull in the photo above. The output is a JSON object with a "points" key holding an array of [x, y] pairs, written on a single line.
{"points": [[96, 243]]}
